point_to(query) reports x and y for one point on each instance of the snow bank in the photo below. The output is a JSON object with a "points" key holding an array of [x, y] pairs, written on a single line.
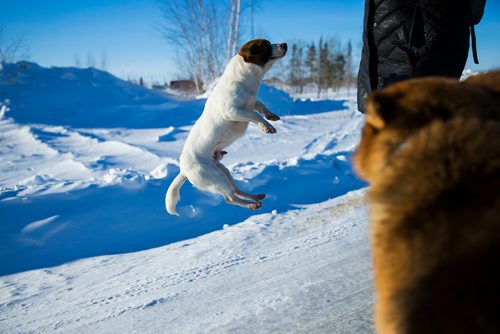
{"points": [[89, 97]]}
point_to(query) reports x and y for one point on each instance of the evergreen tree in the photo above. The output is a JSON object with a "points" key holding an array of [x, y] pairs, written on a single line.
{"points": [[348, 64], [310, 62], [300, 69], [325, 65], [292, 77], [324, 70]]}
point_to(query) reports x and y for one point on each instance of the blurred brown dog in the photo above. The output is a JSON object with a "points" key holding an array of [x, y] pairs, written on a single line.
{"points": [[430, 149]]}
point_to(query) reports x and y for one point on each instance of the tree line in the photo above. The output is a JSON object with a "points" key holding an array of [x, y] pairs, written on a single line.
{"points": [[206, 34], [322, 65]]}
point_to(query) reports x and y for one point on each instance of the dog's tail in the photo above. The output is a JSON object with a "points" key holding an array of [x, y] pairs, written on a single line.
{"points": [[172, 196]]}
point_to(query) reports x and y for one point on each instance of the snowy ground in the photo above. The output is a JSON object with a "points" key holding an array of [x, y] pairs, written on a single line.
{"points": [[304, 271], [85, 160]]}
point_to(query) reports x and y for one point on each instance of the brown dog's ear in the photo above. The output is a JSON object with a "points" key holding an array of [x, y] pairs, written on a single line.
{"points": [[380, 109]]}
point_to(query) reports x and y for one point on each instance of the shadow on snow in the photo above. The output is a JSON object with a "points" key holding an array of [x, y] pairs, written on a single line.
{"points": [[114, 220]]}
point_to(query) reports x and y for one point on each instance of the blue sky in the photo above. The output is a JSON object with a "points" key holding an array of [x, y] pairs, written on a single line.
{"points": [[124, 30]]}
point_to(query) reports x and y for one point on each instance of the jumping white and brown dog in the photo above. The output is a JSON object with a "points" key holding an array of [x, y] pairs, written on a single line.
{"points": [[231, 106]]}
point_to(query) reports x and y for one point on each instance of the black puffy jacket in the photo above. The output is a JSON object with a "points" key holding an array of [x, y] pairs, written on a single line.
{"points": [[414, 38]]}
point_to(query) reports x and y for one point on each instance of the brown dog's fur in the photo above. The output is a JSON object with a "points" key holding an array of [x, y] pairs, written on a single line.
{"points": [[430, 149]]}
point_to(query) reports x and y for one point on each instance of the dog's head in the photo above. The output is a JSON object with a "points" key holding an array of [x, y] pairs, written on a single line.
{"points": [[396, 113], [262, 53]]}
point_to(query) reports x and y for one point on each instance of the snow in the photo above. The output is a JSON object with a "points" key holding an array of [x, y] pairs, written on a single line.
{"points": [[85, 161], [291, 272]]}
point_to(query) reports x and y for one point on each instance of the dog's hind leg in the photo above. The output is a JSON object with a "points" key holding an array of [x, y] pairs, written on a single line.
{"points": [[251, 197], [211, 177], [236, 190], [237, 201]]}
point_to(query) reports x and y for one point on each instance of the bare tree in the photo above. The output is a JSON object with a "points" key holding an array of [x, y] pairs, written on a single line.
{"points": [[76, 60], [103, 61], [91, 60], [194, 26], [206, 34], [252, 8], [12, 49], [238, 8], [234, 25]]}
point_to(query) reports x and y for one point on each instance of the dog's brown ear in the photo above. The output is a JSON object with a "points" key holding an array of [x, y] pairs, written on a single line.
{"points": [[250, 51], [245, 53], [257, 52], [380, 109]]}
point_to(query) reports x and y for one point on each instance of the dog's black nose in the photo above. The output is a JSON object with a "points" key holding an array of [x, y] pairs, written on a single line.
{"points": [[283, 46]]}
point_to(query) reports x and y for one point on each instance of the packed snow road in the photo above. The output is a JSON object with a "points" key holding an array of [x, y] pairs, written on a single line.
{"points": [[304, 271]]}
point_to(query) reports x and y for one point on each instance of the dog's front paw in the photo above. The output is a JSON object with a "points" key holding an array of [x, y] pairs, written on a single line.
{"points": [[267, 128], [272, 117], [254, 205]]}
